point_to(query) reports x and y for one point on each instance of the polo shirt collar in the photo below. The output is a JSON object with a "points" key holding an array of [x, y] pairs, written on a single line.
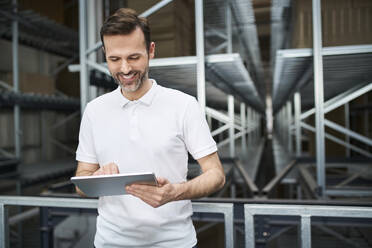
{"points": [[146, 99]]}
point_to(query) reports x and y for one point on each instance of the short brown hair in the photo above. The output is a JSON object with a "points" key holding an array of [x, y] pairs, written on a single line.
{"points": [[125, 21]]}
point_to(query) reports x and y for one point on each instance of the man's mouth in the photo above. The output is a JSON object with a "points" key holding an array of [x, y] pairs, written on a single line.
{"points": [[128, 77]]}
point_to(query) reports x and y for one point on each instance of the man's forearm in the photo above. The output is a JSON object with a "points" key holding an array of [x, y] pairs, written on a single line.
{"points": [[80, 173], [84, 169], [207, 183]]}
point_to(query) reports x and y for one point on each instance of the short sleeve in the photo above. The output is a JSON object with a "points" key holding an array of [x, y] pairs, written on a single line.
{"points": [[86, 150], [198, 138]]}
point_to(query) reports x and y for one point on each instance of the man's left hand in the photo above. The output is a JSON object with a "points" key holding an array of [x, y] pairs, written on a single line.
{"points": [[155, 196]]}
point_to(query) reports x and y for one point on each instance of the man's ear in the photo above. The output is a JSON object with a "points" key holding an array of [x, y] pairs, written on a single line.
{"points": [[152, 50]]}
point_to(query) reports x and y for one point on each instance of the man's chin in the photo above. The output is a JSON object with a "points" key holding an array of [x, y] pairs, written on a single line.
{"points": [[129, 88]]}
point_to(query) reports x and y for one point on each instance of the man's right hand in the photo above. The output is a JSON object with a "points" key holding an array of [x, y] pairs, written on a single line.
{"points": [[107, 169]]}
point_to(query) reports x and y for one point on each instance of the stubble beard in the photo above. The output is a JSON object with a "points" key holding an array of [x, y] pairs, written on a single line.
{"points": [[138, 83]]}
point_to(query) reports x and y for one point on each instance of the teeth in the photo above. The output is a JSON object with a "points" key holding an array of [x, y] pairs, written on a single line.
{"points": [[128, 76]]}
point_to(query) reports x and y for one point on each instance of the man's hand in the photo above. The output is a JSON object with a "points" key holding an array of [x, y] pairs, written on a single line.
{"points": [[107, 169], [156, 196]]}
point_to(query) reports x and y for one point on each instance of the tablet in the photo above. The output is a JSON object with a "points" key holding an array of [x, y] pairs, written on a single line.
{"points": [[107, 185]]}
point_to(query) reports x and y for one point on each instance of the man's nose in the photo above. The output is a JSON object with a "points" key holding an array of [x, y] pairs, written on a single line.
{"points": [[125, 67]]}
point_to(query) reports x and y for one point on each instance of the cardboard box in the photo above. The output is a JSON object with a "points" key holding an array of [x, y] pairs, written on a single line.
{"points": [[344, 22]]}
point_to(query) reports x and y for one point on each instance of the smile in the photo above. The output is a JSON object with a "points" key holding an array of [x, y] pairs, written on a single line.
{"points": [[128, 76]]}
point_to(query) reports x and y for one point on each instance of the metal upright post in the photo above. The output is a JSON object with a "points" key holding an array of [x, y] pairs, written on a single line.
{"points": [[231, 112], [230, 106], [84, 97], [281, 118], [318, 95], [297, 103], [199, 33], [255, 124], [243, 125], [228, 27], [366, 117], [249, 122], [91, 34], [347, 125], [17, 110], [4, 234], [230, 97], [289, 123], [209, 120]]}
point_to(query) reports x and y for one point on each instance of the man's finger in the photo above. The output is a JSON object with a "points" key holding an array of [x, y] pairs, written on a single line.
{"points": [[148, 193], [150, 199], [113, 168], [98, 172], [162, 181]]}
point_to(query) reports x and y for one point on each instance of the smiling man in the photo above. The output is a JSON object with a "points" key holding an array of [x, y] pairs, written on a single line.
{"points": [[140, 127]]}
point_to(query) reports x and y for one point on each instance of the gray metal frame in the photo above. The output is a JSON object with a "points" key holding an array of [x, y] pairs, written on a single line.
{"points": [[295, 65], [222, 208], [304, 211]]}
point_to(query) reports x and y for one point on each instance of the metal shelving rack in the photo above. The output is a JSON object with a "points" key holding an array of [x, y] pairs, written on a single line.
{"points": [[38, 31], [31, 29], [301, 80], [209, 77]]}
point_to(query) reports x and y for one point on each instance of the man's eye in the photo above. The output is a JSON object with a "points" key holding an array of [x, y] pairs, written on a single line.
{"points": [[134, 58], [114, 59]]}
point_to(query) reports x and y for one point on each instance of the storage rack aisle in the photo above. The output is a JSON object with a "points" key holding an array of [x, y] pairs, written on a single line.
{"points": [[298, 91]]}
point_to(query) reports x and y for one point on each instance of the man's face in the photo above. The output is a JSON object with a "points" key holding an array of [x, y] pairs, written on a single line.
{"points": [[128, 59]]}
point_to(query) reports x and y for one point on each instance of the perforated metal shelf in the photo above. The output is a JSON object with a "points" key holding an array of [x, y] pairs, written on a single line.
{"points": [[225, 73], [344, 67]]}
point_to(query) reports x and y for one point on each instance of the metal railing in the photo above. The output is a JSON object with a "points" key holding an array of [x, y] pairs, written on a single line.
{"points": [[304, 211], [221, 208]]}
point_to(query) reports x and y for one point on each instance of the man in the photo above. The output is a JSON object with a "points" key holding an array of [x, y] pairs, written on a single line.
{"points": [[143, 127]]}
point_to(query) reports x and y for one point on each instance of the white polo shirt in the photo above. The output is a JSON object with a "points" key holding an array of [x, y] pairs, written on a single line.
{"points": [[151, 134]]}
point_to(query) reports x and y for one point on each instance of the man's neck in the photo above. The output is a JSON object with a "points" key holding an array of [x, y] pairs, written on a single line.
{"points": [[141, 91]]}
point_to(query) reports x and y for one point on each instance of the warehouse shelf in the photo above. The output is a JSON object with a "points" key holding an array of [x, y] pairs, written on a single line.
{"points": [[39, 31], [8, 167], [344, 67], [223, 71], [217, 29], [225, 74], [37, 101]]}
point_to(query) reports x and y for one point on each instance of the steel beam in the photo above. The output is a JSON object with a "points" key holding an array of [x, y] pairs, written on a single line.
{"points": [[350, 133], [339, 141], [84, 97], [289, 125], [318, 95], [305, 231], [17, 109], [155, 8], [308, 181], [347, 125], [297, 103], [218, 115], [230, 106], [228, 26], [341, 99], [148, 12], [276, 180], [200, 68], [243, 125], [91, 38], [3, 227]]}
